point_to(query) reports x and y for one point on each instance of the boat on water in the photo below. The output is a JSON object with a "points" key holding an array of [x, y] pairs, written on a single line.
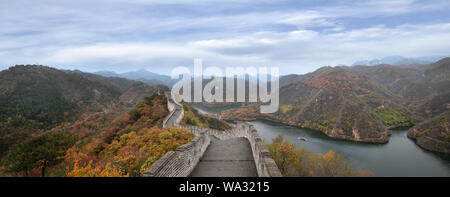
{"points": [[302, 138]]}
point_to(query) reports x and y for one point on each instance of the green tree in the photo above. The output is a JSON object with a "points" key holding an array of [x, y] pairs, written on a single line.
{"points": [[18, 159], [38, 152]]}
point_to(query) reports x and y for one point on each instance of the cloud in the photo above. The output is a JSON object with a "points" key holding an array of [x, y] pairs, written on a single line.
{"points": [[295, 51], [393, 6], [159, 35]]}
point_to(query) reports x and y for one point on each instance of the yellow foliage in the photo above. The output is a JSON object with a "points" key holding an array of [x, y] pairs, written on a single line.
{"points": [[135, 152], [285, 108], [284, 155], [294, 161], [90, 171]]}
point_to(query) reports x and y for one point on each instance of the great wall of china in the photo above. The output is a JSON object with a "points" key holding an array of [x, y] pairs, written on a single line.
{"points": [[225, 162]]}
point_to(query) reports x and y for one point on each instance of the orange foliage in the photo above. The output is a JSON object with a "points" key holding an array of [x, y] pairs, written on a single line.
{"points": [[95, 171], [137, 151]]}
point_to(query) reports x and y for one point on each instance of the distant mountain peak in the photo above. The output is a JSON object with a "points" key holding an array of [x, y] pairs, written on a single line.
{"points": [[398, 60], [142, 74], [143, 70], [106, 73]]}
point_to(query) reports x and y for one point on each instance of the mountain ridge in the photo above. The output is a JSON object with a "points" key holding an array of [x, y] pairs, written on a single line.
{"points": [[398, 60], [359, 103], [140, 75], [36, 98]]}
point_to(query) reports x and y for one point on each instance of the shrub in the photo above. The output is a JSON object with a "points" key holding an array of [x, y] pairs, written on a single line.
{"points": [[294, 161]]}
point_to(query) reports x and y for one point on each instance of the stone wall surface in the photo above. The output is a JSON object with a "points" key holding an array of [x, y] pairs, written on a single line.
{"points": [[171, 107], [180, 163], [265, 165]]}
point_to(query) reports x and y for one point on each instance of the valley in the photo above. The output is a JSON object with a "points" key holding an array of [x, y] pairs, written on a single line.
{"points": [[387, 119], [398, 157], [363, 103]]}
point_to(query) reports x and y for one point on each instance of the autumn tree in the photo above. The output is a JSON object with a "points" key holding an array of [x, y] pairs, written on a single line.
{"points": [[284, 154], [91, 170], [38, 152], [294, 161], [136, 151]]}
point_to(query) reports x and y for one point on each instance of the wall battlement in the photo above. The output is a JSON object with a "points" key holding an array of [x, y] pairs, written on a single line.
{"points": [[181, 163]]}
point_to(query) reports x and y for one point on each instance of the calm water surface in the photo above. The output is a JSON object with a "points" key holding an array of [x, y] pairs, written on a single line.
{"points": [[400, 157]]}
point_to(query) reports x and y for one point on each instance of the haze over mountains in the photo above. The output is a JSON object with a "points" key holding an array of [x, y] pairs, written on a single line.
{"points": [[141, 75], [398, 60], [163, 79]]}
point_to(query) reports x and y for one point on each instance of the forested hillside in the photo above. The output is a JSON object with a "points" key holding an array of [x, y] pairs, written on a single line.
{"points": [[433, 134], [37, 98], [100, 144], [194, 118], [361, 103]]}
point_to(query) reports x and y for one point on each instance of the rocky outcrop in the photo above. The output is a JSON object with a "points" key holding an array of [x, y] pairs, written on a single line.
{"points": [[433, 135], [356, 131]]}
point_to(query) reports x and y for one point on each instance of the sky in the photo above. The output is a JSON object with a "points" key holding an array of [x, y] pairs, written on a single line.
{"points": [[296, 36]]}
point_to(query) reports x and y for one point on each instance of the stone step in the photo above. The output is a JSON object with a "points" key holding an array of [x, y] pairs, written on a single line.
{"points": [[227, 158]]}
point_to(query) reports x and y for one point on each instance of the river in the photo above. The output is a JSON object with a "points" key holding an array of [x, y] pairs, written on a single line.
{"points": [[399, 157]]}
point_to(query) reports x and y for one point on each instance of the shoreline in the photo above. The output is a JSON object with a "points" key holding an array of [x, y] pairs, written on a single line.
{"points": [[382, 140]]}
